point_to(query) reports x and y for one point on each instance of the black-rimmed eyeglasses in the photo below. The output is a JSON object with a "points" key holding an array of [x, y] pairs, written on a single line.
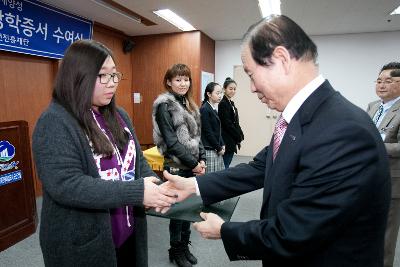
{"points": [[106, 77], [388, 81]]}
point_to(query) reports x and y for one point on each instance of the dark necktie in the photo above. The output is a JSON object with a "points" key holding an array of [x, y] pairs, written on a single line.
{"points": [[378, 114]]}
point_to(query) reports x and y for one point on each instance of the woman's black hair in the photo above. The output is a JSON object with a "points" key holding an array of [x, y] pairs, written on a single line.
{"points": [[74, 87], [209, 89], [228, 81]]}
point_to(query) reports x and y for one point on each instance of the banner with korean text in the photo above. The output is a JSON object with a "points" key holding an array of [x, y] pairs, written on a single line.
{"points": [[35, 28]]}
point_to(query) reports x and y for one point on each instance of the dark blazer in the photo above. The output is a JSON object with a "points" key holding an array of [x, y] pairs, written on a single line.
{"points": [[210, 128], [231, 132], [75, 227], [325, 198]]}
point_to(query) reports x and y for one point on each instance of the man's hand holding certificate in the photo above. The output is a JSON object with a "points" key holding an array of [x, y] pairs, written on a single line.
{"points": [[210, 228]]}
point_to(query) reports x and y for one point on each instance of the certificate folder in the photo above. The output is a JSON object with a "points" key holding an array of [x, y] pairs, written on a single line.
{"points": [[189, 209]]}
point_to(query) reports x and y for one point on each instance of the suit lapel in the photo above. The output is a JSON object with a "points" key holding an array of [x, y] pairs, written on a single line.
{"points": [[374, 109], [390, 115], [213, 111], [288, 154], [268, 169], [289, 141], [302, 117]]}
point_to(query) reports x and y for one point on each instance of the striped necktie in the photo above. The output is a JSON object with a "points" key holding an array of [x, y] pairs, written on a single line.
{"points": [[279, 132], [378, 114]]}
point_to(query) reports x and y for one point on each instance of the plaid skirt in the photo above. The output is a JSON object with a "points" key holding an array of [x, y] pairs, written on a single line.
{"points": [[215, 162]]}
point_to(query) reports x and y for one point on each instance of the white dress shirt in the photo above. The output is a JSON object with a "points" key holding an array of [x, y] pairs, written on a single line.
{"points": [[295, 103]]}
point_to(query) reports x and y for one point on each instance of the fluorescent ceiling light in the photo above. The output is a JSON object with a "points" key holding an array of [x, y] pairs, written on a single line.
{"points": [[396, 11], [269, 7], [174, 19]]}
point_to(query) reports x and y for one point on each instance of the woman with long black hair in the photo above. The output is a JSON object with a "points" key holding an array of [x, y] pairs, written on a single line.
{"points": [[96, 182], [232, 134]]}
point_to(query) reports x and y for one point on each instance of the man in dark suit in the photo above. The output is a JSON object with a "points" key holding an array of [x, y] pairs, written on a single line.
{"points": [[325, 173], [385, 113]]}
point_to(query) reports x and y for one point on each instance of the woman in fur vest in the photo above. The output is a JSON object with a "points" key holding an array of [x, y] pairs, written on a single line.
{"points": [[176, 124]]}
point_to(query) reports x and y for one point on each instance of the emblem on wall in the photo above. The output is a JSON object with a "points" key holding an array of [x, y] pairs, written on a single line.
{"points": [[7, 153]]}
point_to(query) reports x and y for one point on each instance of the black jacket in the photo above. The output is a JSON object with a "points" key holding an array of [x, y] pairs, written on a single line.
{"points": [[210, 128], [326, 195], [231, 132], [174, 147]]}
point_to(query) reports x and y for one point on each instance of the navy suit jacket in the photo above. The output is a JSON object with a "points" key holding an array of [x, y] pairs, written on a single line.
{"points": [[210, 128], [326, 195]]}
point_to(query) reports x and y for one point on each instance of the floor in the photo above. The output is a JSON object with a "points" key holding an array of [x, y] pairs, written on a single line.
{"points": [[209, 252]]}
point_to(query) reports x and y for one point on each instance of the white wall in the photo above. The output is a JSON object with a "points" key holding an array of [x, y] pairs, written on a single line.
{"points": [[227, 55], [351, 62]]}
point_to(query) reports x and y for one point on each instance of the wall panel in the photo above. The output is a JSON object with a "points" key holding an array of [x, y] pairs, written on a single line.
{"points": [[114, 41], [25, 88], [207, 53]]}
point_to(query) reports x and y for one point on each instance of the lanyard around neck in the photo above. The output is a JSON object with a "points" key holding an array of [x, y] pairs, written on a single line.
{"points": [[117, 153]]}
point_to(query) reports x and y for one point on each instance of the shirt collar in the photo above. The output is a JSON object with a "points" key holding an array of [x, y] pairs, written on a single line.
{"points": [[214, 107], [298, 99], [389, 104]]}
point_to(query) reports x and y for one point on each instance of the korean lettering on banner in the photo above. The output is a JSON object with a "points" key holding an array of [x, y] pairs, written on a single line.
{"points": [[10, 177], [32, 27]]}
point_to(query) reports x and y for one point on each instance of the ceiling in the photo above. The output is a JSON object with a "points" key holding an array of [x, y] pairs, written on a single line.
{"points": [[229, 19]]}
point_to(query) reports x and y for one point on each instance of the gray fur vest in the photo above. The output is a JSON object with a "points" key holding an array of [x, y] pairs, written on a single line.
{"points": [[185, 123]]}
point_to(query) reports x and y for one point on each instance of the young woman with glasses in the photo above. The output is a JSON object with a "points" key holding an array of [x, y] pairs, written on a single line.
{"points": [[91, 167]]}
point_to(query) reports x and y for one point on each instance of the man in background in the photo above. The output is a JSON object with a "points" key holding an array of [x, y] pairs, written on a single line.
{"points": [[325, 173], [385, 113]]}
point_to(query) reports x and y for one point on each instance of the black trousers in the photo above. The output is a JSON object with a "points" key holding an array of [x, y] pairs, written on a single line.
{"points": [[126, 256], [177, 227], [227, 159]]}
